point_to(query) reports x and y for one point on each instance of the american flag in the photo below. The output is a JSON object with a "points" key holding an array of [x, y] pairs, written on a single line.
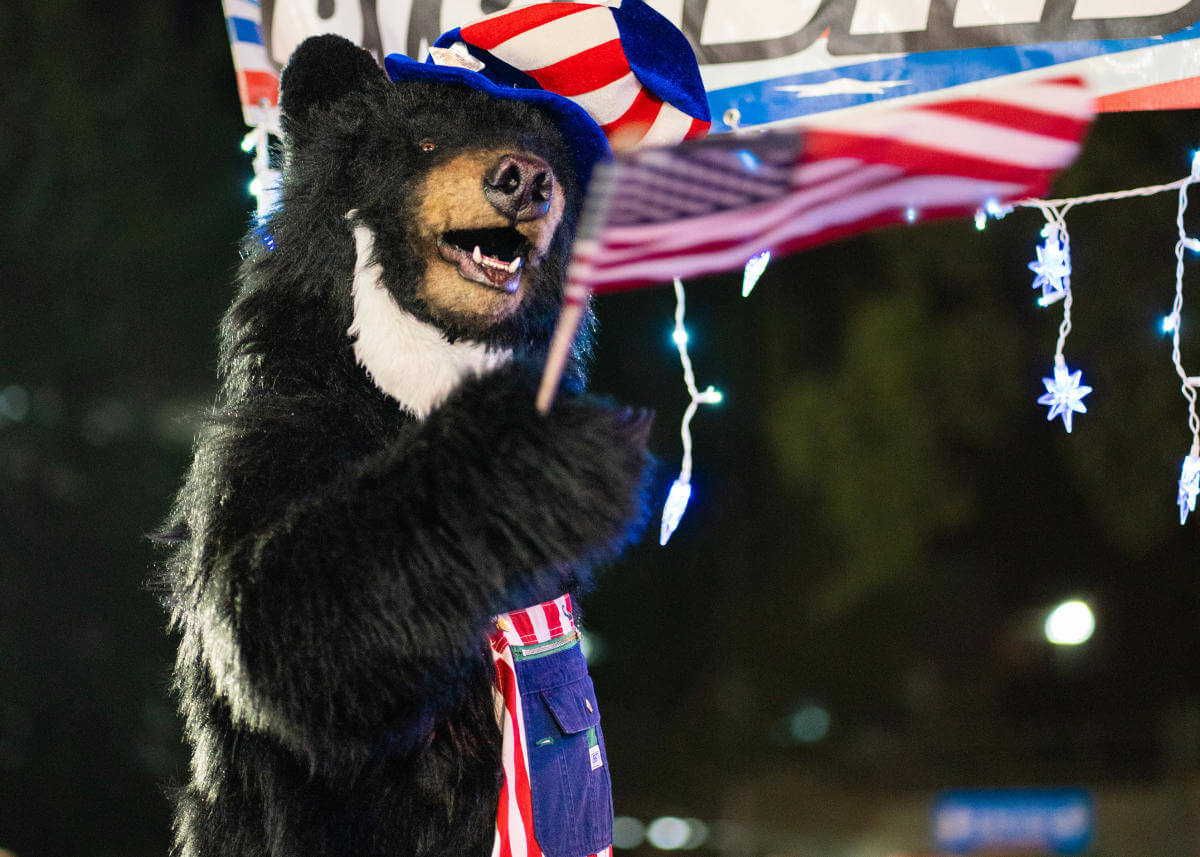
{"points": [[709, 205]]}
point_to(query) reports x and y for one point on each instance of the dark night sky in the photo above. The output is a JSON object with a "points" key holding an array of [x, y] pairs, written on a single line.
{"points": [[881, 514]]}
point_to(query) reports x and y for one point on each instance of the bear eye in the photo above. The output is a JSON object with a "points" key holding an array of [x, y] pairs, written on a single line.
{"points": [[427, 145]]}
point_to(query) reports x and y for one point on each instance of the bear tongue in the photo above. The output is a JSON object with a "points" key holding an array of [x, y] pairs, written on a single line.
{"points": [[499, 278]]}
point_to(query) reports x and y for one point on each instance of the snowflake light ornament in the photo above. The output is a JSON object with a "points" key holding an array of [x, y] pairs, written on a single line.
{"points": [[1064, 393], [1053, 267], [1189, 486]]}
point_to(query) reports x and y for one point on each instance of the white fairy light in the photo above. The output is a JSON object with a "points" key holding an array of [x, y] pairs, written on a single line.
{"points": [[753, 271], [265, 185], [681, 488], [1189, 477], [1189, 486], [673, 509], [749, 160], [991, 208]]}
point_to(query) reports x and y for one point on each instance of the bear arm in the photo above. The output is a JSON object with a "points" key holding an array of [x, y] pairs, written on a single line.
{"points": [[533, 490], [354, 613]]}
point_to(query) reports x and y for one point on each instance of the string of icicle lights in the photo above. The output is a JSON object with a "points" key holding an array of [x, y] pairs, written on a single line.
{"points": [[1065, 390], [681, 488]]}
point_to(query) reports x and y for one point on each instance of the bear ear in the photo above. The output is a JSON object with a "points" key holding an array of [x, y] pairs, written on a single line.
{"points": [[322, 70]]}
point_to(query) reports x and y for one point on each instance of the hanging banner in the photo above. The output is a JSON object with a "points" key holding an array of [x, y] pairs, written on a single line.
{"points": [[773, 62], [846, 65]]}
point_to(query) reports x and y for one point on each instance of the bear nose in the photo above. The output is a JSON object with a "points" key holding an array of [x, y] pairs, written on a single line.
{"points": [[520, 186]]}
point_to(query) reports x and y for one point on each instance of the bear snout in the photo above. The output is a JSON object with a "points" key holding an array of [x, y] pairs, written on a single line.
{"points": [[520, 186]]}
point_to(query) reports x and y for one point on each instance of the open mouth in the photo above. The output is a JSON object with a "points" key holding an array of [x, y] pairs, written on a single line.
{"points": [[491, 257]]}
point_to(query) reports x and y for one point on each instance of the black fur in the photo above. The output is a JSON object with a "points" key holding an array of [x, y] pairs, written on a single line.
{"points": [[336, 561]]}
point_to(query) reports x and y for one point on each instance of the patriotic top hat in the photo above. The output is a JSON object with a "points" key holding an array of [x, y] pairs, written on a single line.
{"points": [[617, 75]]}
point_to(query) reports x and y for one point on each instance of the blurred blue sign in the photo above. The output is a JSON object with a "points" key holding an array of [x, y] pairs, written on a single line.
{"points": [[1055, 821]]}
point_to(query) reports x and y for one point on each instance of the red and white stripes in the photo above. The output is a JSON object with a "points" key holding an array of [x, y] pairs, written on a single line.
{"points": [[538, 624], [856, 171], [574, 49], [514, 814]]}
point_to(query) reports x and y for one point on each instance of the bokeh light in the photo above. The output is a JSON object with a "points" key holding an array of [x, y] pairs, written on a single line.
{"points": [[1070, 624], [809, 724], [628, 832], [668, 833]]}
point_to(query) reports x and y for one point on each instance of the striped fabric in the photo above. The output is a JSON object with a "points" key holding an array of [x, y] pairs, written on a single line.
{"points": [[710, 205], [541, 623], [257, 79], [538, 624], [574, 49]]}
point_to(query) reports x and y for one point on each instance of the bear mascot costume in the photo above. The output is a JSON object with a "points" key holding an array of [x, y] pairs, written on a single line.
{"points": [[376, 502]]}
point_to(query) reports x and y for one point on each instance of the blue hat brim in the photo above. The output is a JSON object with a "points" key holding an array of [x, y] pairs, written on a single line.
{"points": [[583, 136]]}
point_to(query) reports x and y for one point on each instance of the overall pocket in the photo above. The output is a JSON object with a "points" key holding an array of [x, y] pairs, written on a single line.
{"points": [[568, 769]]}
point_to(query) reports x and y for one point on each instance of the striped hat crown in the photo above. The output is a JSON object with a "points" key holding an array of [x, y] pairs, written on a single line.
{"points": [[626, 67]]}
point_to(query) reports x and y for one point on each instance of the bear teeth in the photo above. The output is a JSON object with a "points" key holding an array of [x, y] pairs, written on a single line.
{"points": [[492, 262], [499, 264], [464, 248], [501, 244]]}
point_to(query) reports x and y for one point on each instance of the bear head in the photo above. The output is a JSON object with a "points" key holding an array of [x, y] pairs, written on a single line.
{"points": [[425, 224]]}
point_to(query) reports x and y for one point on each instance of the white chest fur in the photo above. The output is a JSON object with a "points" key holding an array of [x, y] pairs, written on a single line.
{"points": [[407, 358]]}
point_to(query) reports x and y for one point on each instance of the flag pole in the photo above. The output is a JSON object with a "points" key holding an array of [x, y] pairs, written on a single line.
{"points": [[578, 290], [575, 300]]}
